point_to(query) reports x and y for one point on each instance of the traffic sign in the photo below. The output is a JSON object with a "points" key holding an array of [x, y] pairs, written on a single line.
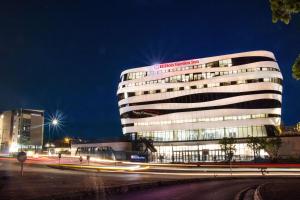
{"points": [[88, 157], [59, 157], [22, 157]]}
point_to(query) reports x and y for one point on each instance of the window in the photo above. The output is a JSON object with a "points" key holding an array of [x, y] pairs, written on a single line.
{"points": [[225, 63], [249, 59], [125, 77], [130, 94], [212, 64], [224, 84], [121, 96]]}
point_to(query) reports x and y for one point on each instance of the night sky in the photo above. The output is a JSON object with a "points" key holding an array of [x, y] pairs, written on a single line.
{"points": [[68, 55]]}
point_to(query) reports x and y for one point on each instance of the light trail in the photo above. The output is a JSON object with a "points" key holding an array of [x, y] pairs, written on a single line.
{"points": [[152, 169], [236, 169], [112, 168], [221, 173]]}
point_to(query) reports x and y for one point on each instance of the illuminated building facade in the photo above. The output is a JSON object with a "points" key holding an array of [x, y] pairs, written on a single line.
{"points": [[185, 107], [21, 129]]}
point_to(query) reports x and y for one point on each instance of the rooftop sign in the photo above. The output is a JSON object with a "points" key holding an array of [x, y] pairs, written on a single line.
{"points": [[180, 63]]}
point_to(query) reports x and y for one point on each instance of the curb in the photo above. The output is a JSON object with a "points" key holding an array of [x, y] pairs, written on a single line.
{"points": [[241, 194], [257, 194]]}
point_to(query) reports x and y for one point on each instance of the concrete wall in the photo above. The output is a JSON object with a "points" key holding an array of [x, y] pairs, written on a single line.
{"points": [[290, 147], [37, 130], [6, 129]]}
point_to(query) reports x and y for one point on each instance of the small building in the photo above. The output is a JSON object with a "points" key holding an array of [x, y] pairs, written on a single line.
{"points": [[21, 129], [120, 149]]}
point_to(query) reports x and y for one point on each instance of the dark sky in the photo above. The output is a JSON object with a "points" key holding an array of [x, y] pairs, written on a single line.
{"points": [[68, 55]]}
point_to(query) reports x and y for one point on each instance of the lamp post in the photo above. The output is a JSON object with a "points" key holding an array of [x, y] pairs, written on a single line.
{"points": [[54, 122]]}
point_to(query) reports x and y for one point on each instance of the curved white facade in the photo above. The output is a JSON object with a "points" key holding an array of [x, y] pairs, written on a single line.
{"points": [[236, 95]]}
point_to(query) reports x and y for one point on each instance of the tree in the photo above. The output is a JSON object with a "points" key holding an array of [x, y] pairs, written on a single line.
{"points": [[228, 147], [284, 9], [256, 144], [296, 68], [272, 147]]}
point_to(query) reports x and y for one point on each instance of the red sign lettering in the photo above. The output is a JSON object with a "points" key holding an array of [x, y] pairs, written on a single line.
{"points": [[180, 63]]}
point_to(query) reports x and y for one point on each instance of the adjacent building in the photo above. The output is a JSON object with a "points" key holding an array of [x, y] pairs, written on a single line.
{"points": [[186, 107], [114, 149], [21, 129]]}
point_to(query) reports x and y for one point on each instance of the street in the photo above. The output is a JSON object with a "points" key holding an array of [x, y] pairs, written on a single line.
{"points": [[211, 190], [42, 182]]}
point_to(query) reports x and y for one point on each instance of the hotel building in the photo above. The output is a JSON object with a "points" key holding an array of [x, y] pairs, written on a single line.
{"points": [[21, 129], [186, 107]]}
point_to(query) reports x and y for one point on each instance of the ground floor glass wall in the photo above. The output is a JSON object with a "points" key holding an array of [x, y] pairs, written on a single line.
{"points": [[205, 134], [199, 153]]}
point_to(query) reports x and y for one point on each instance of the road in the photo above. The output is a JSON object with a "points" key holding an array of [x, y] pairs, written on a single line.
{"points": [[42, 182], [206, 190]]}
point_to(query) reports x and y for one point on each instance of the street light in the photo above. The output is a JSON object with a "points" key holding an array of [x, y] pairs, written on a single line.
{"points": [[54, 122], [56, 119], [67, 140]]}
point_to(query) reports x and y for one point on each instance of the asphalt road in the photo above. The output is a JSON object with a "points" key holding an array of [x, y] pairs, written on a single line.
{"points": [[217, 189], [205, 190], [41, 182]]}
